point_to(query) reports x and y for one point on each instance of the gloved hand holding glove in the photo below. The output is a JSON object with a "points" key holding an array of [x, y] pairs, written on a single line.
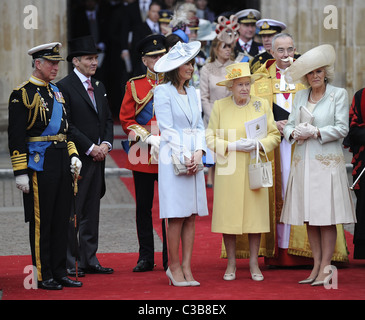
{"points": [[154, 141], [76, 165], [22, 182]]}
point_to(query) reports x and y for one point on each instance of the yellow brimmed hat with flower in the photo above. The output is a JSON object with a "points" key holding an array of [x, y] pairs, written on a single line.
{"points": [[239, 70]]}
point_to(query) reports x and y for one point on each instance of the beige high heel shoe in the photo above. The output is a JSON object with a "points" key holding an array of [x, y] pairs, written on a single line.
{"points": [[176, 283], [194, 283], [306, 281]]}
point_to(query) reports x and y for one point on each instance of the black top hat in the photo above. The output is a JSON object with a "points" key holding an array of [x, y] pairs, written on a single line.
{"points": [[151, 45], [82, 46]]}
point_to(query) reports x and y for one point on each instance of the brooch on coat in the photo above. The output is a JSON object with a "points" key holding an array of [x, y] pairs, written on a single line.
{"points": [[257, 105]]}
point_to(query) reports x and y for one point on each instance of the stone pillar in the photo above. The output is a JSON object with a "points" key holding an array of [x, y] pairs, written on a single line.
{"points": [[25, 24]]}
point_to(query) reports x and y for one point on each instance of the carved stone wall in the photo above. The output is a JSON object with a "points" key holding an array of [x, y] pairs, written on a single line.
{"points": [[25, 24], [313, 22]]}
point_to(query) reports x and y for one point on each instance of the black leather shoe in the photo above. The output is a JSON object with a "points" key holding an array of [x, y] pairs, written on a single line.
{"points": [[72, 272], [49, 284], [67, 282], [98, 269], [143, 265]]}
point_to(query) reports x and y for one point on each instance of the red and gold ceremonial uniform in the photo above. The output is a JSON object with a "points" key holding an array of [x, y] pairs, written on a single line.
{"points": [[138, 120]]}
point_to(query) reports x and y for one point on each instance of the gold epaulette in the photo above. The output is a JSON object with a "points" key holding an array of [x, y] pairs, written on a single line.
{"points": [[255, 66], [21, 85], [137, 77], [19, 161], [71, 148]]}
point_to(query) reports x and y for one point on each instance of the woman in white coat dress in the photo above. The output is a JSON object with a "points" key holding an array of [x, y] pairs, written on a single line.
{"points": [[182, 134], [318, 192]]}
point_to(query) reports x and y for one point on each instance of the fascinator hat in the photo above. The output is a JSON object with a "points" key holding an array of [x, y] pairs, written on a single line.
{"points": [[239, 70], [178, 55], [318, 57], [227, 29]]}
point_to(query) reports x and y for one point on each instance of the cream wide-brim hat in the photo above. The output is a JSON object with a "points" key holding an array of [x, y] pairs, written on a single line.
{"points": [[239, 70], [318, 57], [178, 55]]}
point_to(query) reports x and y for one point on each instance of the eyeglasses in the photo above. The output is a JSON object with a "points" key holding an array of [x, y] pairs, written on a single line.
{"points": [[282, 50]]}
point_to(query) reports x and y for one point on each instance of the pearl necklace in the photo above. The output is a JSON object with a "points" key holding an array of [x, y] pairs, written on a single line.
{"points": [[315, 101]]}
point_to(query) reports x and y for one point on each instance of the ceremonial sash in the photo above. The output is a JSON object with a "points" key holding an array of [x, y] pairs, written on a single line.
{"points": [[37, 149], [143, 117]]}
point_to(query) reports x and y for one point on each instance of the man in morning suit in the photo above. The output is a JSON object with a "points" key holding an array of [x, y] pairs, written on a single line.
{"points": [[40, 152], [139, 122], [91, 127]]}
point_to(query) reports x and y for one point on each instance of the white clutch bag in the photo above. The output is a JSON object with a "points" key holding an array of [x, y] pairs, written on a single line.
{"points": [[180, 168], [260, 173]]}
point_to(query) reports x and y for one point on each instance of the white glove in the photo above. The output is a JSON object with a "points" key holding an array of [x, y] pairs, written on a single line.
{"points": [[304, 131], [154, 152], [153, 141], [245, 145], [22, 182], [76, 165]]}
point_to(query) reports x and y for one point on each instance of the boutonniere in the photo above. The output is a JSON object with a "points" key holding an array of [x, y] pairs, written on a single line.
{"points": [[97, 83], [257, 105]]}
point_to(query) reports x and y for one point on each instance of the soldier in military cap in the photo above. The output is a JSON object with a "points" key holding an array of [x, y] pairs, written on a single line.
{"points": [[164, 21], [138, 121], [40, 154], [246, 46]]}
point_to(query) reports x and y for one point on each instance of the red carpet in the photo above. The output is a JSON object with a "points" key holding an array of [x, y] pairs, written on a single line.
{"points": [[208, 269]]}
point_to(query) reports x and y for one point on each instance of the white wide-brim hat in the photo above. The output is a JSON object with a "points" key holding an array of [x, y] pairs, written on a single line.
{"points": [[178, 55], [318, 57]]}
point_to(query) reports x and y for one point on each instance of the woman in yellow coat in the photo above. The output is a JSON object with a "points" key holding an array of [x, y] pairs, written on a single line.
{"points": [[237, 209]]}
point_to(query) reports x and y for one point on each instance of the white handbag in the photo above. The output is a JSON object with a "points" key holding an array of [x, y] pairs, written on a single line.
{"points": [[260, 173], [180, 168]]}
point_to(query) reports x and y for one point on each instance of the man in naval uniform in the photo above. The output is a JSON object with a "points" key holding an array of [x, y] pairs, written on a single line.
{"points": [[246, 47], [139, 122], [40, 154]]}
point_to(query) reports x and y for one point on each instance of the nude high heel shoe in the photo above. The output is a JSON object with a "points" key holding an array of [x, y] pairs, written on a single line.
{"points": [[194, 283], [176, 283], [306, 281]]}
